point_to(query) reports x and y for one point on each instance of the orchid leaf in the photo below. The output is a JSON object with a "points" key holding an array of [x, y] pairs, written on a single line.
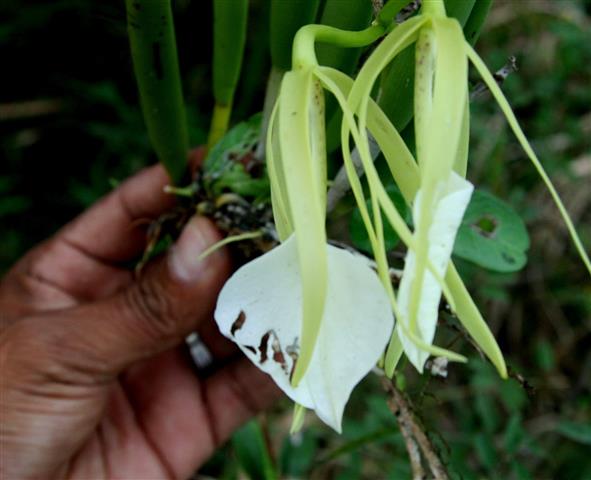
{"points": [[239, 141], [260, 308], [252, 452], [224, 169], [492, 235]]}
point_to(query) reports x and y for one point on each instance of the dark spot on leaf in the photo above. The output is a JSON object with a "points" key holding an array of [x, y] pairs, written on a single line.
{"points": [[263, 346], [238, 323], [137, 5], [508, 258]]}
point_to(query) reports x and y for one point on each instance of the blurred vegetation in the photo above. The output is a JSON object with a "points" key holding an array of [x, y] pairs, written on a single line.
{"points": [[71, 128]]}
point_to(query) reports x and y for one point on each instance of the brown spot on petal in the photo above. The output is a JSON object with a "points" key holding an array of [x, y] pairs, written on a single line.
{"points": [[263, 346], [238, 323], [250, 348], [278, 354]]}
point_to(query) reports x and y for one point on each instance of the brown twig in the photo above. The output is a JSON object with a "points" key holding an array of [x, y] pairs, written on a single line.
{"points": [[414, 435], [500, 76]]}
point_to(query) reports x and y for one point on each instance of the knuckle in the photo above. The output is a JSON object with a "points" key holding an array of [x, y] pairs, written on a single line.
{"points": [[44, 356], [148, 302]]}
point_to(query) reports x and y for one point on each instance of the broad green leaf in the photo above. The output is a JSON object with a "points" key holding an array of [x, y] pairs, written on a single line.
{"points": [[297, 454], [514, 433], [577, 431], [223, 169], [252, 452], [485, 449], [237, 180], [492, 235]]}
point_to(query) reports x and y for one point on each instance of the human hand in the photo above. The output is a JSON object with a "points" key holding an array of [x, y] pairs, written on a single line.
{"points": [[95, 380]]}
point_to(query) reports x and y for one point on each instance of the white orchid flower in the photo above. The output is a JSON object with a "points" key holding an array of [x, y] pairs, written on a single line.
{"points": [[317, 318], [432, 185], [260, 308], [313, 316]]}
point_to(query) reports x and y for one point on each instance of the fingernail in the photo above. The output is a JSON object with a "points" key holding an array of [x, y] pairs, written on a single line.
{"points": [[184, 261]]}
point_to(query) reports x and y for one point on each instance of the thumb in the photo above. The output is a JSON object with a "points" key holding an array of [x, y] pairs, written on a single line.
{"points": [[172, 298]]}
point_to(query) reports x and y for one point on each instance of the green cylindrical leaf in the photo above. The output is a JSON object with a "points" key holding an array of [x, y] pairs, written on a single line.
{"points": [[346, 15], [459, 9], [287, 16], [229, 37], [476, 20], [155, 62]]}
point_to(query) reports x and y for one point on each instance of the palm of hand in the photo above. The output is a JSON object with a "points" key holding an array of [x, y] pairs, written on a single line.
{"points": [[79, 402]]}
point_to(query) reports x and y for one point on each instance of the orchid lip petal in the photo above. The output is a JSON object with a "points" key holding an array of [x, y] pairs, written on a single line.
{"points": [[260, 308]]}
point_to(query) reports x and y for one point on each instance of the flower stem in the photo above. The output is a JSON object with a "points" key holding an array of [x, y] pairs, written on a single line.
{"points": [[433, 7], [303, 46]]}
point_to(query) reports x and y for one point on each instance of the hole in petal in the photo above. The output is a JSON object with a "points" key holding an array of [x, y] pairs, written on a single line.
{"points": [[292, 351], [263, 346], [238, 323], [278, 356]]}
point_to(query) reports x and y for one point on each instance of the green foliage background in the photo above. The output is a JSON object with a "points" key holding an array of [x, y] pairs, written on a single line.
{"points": [[84, 132]]}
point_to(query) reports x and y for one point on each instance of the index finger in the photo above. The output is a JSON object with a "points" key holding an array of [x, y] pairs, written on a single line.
{"points": [[111, 230], [88, 258]]}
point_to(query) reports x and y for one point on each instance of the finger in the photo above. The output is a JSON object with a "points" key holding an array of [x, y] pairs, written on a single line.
{"points": [[173, 297], [186, 420], [111, 230]]}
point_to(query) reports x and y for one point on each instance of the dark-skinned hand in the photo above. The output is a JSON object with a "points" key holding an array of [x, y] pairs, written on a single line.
{"points": [[95, 380]]}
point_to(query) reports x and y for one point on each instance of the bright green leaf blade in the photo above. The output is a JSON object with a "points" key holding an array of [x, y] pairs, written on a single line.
{"points": [[252, 452], [577, 431]]}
